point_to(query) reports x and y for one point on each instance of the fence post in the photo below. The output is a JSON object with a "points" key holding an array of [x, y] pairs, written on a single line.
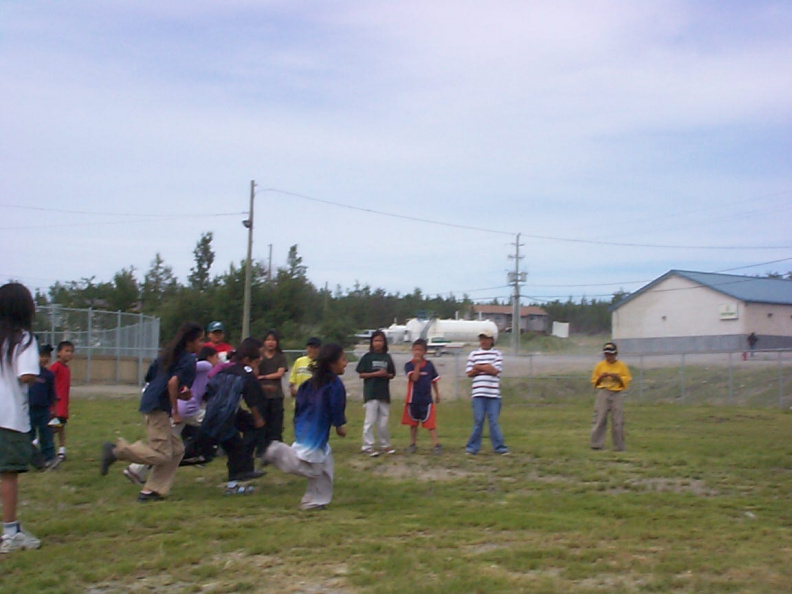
{"points": [[88, 361], [731, 380], [118, 348], [640, 379], [138, 348], [456, 374], [780, 383], [682, 378], [530, 375]]}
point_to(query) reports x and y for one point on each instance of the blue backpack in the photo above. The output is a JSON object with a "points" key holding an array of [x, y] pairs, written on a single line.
{"points": [[224, 392]]}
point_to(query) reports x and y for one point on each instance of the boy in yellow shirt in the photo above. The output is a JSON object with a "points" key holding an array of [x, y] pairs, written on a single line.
{"points": [[611, 377]]}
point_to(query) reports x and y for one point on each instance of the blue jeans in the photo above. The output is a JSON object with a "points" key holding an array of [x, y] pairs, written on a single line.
{"points": [[39, 422], [489, 408]]}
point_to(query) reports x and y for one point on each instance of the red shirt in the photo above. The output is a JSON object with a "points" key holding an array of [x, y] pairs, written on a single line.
{"points": [[62, 386], [220, 347]]}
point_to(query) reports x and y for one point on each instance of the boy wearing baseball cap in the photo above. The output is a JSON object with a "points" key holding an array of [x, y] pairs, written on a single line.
{"points": [[484, 366], [215, 331], [611, 378]]}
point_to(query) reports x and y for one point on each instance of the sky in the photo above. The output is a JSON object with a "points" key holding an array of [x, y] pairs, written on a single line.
{"points": [[400, 145]]}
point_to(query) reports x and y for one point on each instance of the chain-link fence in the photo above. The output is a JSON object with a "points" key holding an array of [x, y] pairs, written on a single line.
{"points": [[717, 379], [109, 346]]}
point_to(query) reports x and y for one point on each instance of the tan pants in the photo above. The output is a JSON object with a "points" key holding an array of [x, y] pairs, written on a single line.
{"points": [[608, 402], [163, 451]]}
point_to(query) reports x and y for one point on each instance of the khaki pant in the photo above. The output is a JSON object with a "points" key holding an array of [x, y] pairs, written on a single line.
{"points": [[163, 451], [608, 402]]}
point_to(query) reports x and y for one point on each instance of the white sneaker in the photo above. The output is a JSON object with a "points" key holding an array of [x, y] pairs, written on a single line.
{"points": [[19, 542], [133, 476]]}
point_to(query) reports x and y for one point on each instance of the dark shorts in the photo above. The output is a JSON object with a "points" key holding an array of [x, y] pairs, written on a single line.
{"points": [[15, 451]]}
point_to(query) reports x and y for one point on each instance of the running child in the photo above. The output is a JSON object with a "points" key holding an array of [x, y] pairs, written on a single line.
{"points": [[19, 367], [41, 395], [232, 420], [64, 354], [419, 408], [167, 376], [376, 368], [321, 404], [191, 412]]}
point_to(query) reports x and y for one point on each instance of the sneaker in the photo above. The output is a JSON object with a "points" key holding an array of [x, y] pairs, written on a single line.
{"points": [[412, 449], [52, 464], [388, 451], [503, 452], [19, 542], [108, 457], [438, 449], [62, 456], [133, 476], [152, 496], [366, 450], [374, 453]]}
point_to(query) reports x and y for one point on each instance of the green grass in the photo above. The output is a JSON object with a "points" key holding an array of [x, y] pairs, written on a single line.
{"points": [[699, 502]]}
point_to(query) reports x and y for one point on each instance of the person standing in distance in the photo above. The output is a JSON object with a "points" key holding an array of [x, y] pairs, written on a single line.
{"points": [[484, 366], [611, 378]]}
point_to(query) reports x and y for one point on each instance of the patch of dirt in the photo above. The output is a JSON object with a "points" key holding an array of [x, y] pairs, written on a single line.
{"points": [[666, 485], [399, 469]]}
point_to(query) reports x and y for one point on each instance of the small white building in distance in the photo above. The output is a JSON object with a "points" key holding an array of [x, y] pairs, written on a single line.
{"points": [[684, 311]]}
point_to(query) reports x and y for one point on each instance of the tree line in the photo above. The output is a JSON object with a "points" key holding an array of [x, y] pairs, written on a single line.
{"points": [[284, 299]]}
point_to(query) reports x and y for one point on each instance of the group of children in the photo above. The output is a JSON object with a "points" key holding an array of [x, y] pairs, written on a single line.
{"points": [[232, 399]]}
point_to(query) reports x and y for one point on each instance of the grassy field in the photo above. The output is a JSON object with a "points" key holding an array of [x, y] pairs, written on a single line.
{"points": [[698, 503]]}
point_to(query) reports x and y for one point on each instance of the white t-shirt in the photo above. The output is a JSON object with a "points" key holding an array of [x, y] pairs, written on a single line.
{"points": [[485, 386], [14, 413]]}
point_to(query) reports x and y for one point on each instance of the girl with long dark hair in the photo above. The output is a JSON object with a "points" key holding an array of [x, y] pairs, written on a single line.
{"points": [[19, 367], [321, 404], [169, 379]]}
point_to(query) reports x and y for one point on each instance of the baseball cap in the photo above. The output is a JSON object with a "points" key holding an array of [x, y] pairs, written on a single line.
{"points": [[215, 326], [486, 333], [610, 348], [314, 341]]}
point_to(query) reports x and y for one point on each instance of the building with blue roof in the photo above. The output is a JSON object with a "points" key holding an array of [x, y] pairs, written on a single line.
{"points": [[686, 311]]}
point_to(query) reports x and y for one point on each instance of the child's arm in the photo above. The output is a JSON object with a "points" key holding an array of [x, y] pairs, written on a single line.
{"points": [[173, 396], [436, 389]]}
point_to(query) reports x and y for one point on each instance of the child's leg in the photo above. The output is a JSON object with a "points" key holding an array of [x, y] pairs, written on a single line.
{"points": [[413, 434], [368, 425], [382, 424], [433, 434], [9, 489]]}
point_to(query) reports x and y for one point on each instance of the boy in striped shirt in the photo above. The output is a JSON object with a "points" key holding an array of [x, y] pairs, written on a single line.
{"points": [[484, 366]]}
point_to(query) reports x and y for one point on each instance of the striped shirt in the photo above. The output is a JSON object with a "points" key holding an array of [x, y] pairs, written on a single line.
{"points": [[485, 385]]}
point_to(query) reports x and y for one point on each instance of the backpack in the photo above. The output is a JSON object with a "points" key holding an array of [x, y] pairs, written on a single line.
{"points": [[224, 392]]}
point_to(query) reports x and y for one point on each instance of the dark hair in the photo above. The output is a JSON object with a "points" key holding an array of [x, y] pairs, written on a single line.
{"points": [[420, 342], [205, 353], [328, 354], [45, 350], [64, 344], [250, 348], [373, 336], [17, 310], [276, 336], [187, 332]]}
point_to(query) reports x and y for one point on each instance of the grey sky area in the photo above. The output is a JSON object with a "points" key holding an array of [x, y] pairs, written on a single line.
{"points": [[399, 144]]}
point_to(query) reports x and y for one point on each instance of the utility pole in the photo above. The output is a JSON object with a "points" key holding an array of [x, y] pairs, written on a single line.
{"points": [[248, 265], [269, 265], [515, 278]]}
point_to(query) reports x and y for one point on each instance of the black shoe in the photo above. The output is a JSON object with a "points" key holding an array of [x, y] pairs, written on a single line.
{"points": [[249, 476], [153, 496], [108, 457]]}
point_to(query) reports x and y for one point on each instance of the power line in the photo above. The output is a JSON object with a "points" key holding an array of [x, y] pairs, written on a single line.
{"points": [[122, 214], [531, 235]]}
